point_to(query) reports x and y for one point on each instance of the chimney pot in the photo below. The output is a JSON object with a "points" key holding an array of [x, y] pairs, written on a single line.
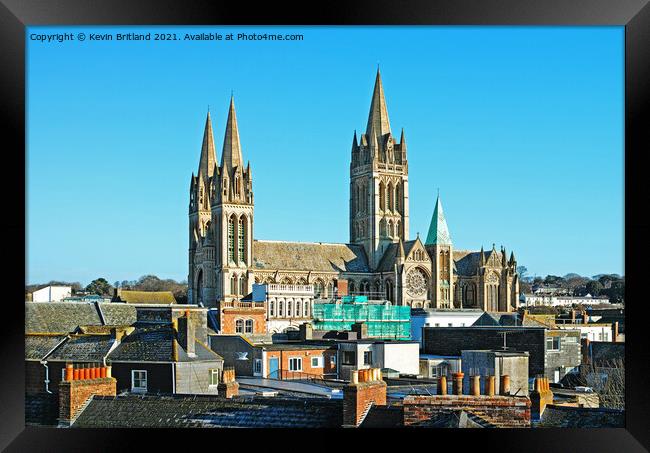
{"points": [[491, 385], [458, 383], [442, 385], [505, 384], [476, 385], [108, 371], [355, 377], [76, 373], [69, 373]]}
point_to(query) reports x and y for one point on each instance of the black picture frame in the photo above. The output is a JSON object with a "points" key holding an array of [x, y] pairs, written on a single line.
{"points": [[15, 15]]}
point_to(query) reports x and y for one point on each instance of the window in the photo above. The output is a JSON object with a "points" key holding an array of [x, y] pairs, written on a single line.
{"points": [[295, 364], [281, 308], [553, 344], [243, 285], [257, 367], [249, 326], [138, 381], [437, 324], [317, 362], [233, 284], [214, 376], [240, 240], [348, 357], [333, 360], [367, 357], [449, 325], [272, 308], [298, 308], [239, 326], [231, 239], [289, 304]]}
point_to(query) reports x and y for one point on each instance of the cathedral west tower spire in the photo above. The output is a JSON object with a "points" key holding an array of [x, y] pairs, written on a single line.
{"points": [[379, 210]]}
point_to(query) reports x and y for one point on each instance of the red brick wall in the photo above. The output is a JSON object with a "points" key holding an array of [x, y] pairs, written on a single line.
{"points": [[328, 370], [357, 397], [504, 411], [229, 316], [74, 394]]}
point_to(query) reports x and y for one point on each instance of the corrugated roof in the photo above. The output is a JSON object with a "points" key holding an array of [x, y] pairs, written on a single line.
{"points": [[309, 256]]}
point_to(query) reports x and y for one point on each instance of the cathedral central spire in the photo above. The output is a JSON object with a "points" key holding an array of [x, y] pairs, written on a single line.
{"points": [[208, 153], [231, 156], [438, 231], [378, 123]]}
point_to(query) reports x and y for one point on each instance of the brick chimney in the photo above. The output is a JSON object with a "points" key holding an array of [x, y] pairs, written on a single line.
{"points": [[540, 397], [365, 389], [228, 386], [74, 393], [186, 333]]}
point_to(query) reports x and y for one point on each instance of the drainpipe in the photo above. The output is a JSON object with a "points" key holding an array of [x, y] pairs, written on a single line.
{"points": [[173, 378], [47, 377]]}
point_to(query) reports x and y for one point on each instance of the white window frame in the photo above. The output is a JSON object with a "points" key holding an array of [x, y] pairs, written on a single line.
{"points": [[366, 354], [252, 326], [146, 381], [212, 372], [320, 361], [257, 366], [292, 361], [559, 344]]}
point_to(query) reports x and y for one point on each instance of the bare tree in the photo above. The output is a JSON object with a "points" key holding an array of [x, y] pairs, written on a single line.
{"points": [[607, 379]]}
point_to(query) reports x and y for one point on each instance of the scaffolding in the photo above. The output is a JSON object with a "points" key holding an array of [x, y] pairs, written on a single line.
{"points": [[383, 319]]}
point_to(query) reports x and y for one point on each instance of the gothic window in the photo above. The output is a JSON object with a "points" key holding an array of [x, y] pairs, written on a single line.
{"points": [[286, 281], [382, 196], [382, 228], [318, 288], [398, 199], [330, 289], [301, 281], [365, 287], [416, 282], [243, 285], [237, 185], [248, 326], [233, 284], [201, 196], [389, 290], [239, 326], [225, 186], [351, 287], [390, 229], [390, 197], [241, 225], [231, 238], [397, 231]]}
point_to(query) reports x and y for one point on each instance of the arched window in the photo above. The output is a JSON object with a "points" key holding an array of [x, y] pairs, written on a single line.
{"points": [[351, 287], [398, 199], [236, 185], [271, 308], [233, 284], [286, 281], [289, 307], [231, 238], [298, 309], [199, 287], [330, 289], [306, 308], [281, 309], [241, 239], [389, 290], [382, 228], [391, 198], [382, 196], [397, 230], [239, 326], [248, 326], [243, 285], [390, 228], [318, 288]]}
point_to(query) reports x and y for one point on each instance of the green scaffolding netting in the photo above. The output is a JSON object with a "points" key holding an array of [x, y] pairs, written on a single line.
{"points": [[382, 320]]}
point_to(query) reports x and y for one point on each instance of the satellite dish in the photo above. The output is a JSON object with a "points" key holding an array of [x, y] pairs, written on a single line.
{"points": [[242, 355]]}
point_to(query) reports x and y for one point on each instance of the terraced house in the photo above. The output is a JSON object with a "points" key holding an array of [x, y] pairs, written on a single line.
{"points": [[380, 260]]}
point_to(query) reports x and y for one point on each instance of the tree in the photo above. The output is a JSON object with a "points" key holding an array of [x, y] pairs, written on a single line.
{"points": [[100, 287], [594, 287], [522, 271], [607, 380]]}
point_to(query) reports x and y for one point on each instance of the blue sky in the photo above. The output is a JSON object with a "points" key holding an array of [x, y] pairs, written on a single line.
{"points": [[521, 129]]}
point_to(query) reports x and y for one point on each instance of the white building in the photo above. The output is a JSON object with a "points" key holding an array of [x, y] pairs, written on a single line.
{"points": [[535, 300], [441, 318], [591, 331], [401, 356], [51, 294], [287, 306]]}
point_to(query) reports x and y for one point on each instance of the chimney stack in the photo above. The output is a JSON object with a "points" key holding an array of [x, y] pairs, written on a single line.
{"points": [[228, 386], [186, 333], [78, 387], [365, 389], [540, 397]]}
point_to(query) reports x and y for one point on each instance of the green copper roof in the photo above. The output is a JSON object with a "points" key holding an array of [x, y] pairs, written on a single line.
{"points": [[438, 231]]}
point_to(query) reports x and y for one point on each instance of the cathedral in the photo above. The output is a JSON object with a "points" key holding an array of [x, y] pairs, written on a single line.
{"points": [[380, 260]]}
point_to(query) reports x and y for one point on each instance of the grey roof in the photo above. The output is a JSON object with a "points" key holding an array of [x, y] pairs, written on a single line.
{"points": [[59, 317], [466, 262], [156, 343], [581, 417], [37, 346], [41, 409], [208, 412], [455, 419], [65, 317], [384, 417], [309, 256], [502, 319], [83, 348], [387, 262]]}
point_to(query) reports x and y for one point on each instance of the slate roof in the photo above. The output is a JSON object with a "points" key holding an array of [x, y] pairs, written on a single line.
{"points": [[83, 348], [65, 317], [156, 343], [59, 317], [387, 262], [309, 256], [145, 297], [581, 417], [133, 411], [384, 417], [42, 409], [37, 346], [455, 419], [466, 262]]}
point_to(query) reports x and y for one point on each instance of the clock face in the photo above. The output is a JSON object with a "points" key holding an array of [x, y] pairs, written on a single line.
{"points": [[416, 282]]}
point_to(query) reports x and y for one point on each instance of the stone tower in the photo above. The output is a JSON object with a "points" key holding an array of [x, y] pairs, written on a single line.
{"points": [[379, 210], [232, 217], [439, 247], [200, 279]]}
